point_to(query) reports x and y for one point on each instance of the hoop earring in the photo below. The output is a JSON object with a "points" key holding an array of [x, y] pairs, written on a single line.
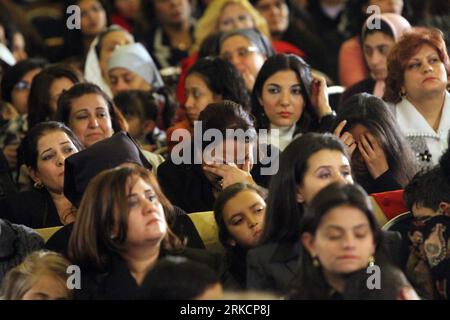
{"points": [[316, 262], [402, 93], [371, 261], [38, 185]]}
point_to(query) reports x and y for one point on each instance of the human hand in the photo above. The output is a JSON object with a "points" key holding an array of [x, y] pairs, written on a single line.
{"points": [[319, 96], [373, 155], [230, 173], [346, 137]]}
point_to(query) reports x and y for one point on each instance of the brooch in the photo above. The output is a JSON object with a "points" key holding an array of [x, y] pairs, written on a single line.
{"points": [[424, 156]]}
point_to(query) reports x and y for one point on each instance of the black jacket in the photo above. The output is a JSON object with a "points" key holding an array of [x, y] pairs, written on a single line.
{"points": [[34, 208], [117, 283]]}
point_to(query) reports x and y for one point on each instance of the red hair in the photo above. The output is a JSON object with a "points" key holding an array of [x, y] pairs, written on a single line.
{"points": [[408, 45]]}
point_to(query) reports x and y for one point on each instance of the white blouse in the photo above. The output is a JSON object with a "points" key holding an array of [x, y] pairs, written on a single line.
{"points": [[424, 140], [281, 136]]}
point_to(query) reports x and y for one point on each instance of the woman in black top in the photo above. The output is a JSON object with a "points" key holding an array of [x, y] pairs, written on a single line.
{"points": [[338, 236], [121, 232], [44, 150]]}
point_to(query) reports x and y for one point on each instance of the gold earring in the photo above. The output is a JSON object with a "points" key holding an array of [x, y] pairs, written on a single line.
{"points": [[38, 185], [371, 261], [316, 262]]}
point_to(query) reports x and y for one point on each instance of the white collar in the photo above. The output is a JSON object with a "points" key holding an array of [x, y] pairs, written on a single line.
{"points": [[412, 123]]}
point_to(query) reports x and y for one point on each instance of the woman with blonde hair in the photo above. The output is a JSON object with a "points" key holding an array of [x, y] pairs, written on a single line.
{"points": [[41, 276], [226, 15]]}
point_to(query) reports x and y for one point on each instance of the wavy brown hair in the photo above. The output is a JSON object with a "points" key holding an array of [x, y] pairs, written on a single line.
{"points": [[408, 45], [104, 211]]}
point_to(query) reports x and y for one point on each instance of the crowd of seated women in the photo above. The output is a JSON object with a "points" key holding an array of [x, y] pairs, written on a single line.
{"points": [[192, 150]]}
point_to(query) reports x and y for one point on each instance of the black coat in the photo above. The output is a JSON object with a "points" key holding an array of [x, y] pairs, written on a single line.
{"points": [[117, 283], [271, 267], [34, 208]]}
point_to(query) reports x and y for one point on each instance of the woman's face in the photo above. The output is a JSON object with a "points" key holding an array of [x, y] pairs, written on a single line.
{"points": [[234, 16], [56, 88], [243, 54], [243, 216], [128, 8], [376, 49], [173, 12], [323, 168], [146, 219], [122, 79], [90, 119], [198, 96], [425, 74], [276, 12], [93, 17], [109, 43], [343, 242], [282, 98], [21, 91], [52, 149], [47, 287]]}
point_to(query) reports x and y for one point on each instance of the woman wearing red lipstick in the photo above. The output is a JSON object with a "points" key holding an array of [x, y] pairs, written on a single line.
{"points": [[121, 232], [338, 236], [416, 86], [287, 97], [44, 150], [239, 212]]}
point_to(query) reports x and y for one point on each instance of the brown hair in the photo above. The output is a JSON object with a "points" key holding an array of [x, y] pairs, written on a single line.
{"points": [[118, 121], [103, 206], [401, 53]]}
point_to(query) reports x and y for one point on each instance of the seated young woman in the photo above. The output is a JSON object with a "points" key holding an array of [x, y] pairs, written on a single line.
{"points": [[339, 235], [44, 151], [239, 212]]}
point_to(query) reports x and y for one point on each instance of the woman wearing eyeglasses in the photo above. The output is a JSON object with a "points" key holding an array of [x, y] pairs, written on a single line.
{"points": [[246, 49], [15, 89]]}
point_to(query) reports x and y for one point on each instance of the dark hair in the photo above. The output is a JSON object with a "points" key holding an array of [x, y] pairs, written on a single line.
{"points": [[104, 204], [384, 28], [428, 189], [29, 145], [309, 282], [177, 278], [403, 50], [283, 213], [39, 99], [223, 198], [283, 62], [373, 113], [81, 89], [73, 38], [137, 103], [210, 46], [230, 85], [227, 115], [13, 75]]}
